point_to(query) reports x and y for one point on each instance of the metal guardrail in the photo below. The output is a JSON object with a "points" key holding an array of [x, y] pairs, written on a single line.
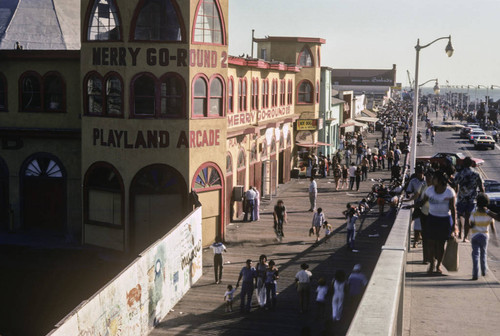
{"points": [[380, 312]]}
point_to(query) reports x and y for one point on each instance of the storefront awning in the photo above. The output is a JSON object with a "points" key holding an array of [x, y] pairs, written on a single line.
{"points": [[351, 122], [366, 119], [369, 113], [316, 144]]}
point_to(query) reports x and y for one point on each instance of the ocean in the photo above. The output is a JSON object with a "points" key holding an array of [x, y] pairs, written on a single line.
{"points": [[480, 94]]}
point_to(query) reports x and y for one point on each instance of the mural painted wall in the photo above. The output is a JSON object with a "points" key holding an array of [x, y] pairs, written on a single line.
{"points": [[140, 296]]}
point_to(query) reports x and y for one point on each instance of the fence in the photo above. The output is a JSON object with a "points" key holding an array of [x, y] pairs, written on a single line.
{"points": [[144, 292]]}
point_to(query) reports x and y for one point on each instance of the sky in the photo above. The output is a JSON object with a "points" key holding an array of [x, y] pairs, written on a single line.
{"points": [[379, 33]]}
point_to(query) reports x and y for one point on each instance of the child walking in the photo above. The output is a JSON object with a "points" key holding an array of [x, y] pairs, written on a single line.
{"points": [[228, 297], [318, 221], [480, 223], [321, 293]]}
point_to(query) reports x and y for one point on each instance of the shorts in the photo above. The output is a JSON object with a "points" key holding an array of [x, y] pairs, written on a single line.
{"points": [[464, 207]]}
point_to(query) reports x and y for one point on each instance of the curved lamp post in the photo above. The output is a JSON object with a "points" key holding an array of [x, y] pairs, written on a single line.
{"points": [[487, 100], [449, 51]]}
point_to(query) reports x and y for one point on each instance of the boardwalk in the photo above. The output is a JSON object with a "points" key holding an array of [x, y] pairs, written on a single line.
{"points": [[201, 311]]}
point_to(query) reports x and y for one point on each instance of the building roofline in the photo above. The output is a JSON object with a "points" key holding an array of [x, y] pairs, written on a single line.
{"points": [[291, 39], [39, 54]]}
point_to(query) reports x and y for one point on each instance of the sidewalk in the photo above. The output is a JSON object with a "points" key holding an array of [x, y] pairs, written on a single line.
{"points": [[452, 303], [201, 311]]}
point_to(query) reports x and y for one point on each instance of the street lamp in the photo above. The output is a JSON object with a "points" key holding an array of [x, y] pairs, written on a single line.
{"points": [[487, 96], [449, 51]]}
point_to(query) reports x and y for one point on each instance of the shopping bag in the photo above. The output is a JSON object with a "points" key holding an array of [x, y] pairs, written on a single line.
{"points": [[450, 258]]}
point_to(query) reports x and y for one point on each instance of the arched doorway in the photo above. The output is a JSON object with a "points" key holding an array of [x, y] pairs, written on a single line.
{"points": [[208, 183], [229, 189], [240, 177], [158, 201], [43, 193], [255, 174], [285, 159], [4, 195]]}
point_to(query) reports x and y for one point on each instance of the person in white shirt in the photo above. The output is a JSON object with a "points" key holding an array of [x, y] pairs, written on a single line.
{"points": [[313, 194], [250, 203], [218, 248], [352, 175], [303, 281]]}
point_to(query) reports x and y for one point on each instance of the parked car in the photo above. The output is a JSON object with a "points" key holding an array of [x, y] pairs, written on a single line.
{"points": [[484, 141], [474, 134], [444, 158], [492, 189], [464, 132]]}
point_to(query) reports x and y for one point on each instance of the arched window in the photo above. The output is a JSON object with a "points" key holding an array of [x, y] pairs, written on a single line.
{"points": [[208, 177], [43, 167], [305, 57], [305, 92], [200, 97], [104, 22], [241, 159], [255, 93], [31, 92], [242, 94], [265, 93], [216, 97], [317, 92], [157, 20], [3, 93], [274, 93], [229, 164], [103, 201], [273, 146], [94, 94], [53, 93], [253, 153], [172, 93], [208, 24], [230, 95], [282, 92], [144, 95], [114, 95], [290, 92]]}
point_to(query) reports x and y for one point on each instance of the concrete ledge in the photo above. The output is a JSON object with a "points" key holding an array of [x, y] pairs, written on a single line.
{"points": [[399, 236], [379, 311]]}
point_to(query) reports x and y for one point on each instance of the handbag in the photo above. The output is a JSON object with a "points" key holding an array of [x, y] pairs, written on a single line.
{"points": [[311, 232], [451, 257]]}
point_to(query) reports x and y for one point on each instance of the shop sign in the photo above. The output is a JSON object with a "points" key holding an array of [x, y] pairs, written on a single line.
{"points": [[250, 117], [309, 124]]}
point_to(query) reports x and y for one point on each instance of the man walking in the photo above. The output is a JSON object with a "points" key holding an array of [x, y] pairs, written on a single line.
{"points": [[352, 175], [468, 182], [249, 276], [303, 281], [313, 194], [250, 203]]}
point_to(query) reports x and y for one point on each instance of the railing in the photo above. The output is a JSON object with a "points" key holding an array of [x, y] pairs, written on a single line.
{"points": [[380, 312]]}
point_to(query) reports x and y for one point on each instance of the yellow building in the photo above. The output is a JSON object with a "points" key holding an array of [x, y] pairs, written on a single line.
{"points": [[148, 117]]}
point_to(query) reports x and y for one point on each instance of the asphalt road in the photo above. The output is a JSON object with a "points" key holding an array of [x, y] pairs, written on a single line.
{"points": [[451, 142]]}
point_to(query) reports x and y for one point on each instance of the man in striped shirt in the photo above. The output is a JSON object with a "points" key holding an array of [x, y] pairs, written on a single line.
{"points": [[480, 222]]}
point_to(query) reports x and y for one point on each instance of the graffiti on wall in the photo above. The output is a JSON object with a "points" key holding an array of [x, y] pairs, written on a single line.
{"points": [[137, 299]]}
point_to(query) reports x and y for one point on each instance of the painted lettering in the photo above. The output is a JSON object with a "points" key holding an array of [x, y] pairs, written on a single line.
{"points": [[140, 141], [95, 133], [151, 56], [223, 61], [214, 59], [199, 58], [163, 56], [126, 143], [134, 53], [111, 139], [152, 139], [122, 52], [182, 57], [206, 58], [183, 140], [164, 139], [113, 56], [105, 56], [192, 57], [96, 56], [118, 136]]}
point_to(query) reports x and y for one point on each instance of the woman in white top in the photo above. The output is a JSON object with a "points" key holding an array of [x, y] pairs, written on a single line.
{"points": [[442, 218]]}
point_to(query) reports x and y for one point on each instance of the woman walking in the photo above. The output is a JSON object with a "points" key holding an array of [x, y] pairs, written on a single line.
{"points": [[338, 295], [337, 175], [442, 218], [280, 218], [318, 221], [345, 174], [261, 269]]}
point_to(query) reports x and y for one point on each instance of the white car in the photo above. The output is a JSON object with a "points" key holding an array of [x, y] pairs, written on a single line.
{"points": [[474, 134], [484, 141]]}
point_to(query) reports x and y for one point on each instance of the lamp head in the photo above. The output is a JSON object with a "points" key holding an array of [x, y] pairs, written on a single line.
{"points": [[449, 48], [436, 88]]}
